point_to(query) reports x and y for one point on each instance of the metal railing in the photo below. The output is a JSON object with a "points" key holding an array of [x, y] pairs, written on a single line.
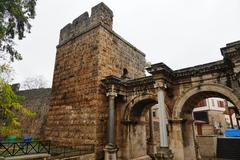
{"points": [[19, 148], [65, 151], [9, 149]]}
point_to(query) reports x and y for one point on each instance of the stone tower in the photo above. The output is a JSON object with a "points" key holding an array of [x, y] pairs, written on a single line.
{"points": [[88, 51]]}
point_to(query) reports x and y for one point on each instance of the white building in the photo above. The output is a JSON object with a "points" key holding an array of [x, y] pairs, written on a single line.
{"points": [[213, 116]]}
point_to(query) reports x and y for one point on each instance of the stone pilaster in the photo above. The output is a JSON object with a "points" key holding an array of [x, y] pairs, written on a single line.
{"points": [[190, 144], [176, 138]]}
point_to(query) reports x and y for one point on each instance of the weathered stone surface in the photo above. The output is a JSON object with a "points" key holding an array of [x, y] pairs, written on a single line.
{"points": [[100, 14], [78, 111], [207, 146], [36, 100], [91, 57]]}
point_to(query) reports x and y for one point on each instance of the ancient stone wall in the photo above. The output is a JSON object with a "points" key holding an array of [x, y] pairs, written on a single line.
{"points": [[36, 100], [99, 14], [116, 54], [71, 119], [88, 51]]}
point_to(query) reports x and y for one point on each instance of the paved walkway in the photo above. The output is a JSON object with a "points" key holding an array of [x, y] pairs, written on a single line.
{"points": [[25, 157]]}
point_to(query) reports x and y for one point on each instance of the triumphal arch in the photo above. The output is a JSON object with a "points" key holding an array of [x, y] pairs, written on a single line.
{"points": [[101, 96]]}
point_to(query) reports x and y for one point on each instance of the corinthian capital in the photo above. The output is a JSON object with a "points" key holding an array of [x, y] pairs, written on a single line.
{"points": [[161, 84], [112, 92]]}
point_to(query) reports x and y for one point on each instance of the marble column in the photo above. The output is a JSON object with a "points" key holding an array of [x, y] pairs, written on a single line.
{"points": [[163, 151], [151, 144], [111, 148], [162, 119]]}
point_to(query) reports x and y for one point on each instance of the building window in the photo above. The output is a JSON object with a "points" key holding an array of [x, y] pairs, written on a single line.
{"points": [[220, 103], [202, 103], [201, 116]]}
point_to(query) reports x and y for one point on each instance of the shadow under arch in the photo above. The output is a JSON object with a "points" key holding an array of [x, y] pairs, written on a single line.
{"points": [[135, 126], [137, 106], [203, 91]]}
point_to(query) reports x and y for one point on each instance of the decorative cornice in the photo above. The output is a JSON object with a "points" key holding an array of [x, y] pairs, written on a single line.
{"points": [[231, 49], [201, 69], [129, 83], [140, 81], [190, 71], [112, 80], [160, 68]]}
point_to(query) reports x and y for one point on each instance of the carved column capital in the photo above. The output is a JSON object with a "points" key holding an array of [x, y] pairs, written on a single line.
{"points": [[160, 84], [112, 92]]}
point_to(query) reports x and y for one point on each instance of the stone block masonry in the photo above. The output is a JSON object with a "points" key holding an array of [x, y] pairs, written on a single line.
{"points": [[88, 51]]}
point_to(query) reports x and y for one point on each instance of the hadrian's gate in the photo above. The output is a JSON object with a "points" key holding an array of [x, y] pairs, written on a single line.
{"points": [[99, 81]]}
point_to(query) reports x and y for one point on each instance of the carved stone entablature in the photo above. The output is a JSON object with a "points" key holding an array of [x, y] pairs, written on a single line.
{"points": [[161, 69], [231, 50], [231, 54], [112, 81], [168, 74], [201, 69], [123, 87], [140, 81]]}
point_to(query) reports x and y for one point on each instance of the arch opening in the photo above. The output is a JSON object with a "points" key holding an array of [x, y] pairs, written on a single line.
{"points": [[139, 110], [138, 130], [193, 101], [200, 92], [206, 121]]}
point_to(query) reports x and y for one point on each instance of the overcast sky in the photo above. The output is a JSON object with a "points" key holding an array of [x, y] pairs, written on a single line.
{"points": [[180, 33]]}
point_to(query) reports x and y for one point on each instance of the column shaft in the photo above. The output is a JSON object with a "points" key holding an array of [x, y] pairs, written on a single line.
{"points": [[111, 148], [162, 119], [111, 120], [230, 116], [151, 127]]}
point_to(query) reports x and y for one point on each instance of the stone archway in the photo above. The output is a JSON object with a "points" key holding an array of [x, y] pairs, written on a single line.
{"points": [[183, 110], [135, 126], [142, 103], [218, 89]]}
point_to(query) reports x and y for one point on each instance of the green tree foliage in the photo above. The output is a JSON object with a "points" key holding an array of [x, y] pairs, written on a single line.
{"points": [[14, 22], [10, 104], [15, 16], [10, 107]]}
